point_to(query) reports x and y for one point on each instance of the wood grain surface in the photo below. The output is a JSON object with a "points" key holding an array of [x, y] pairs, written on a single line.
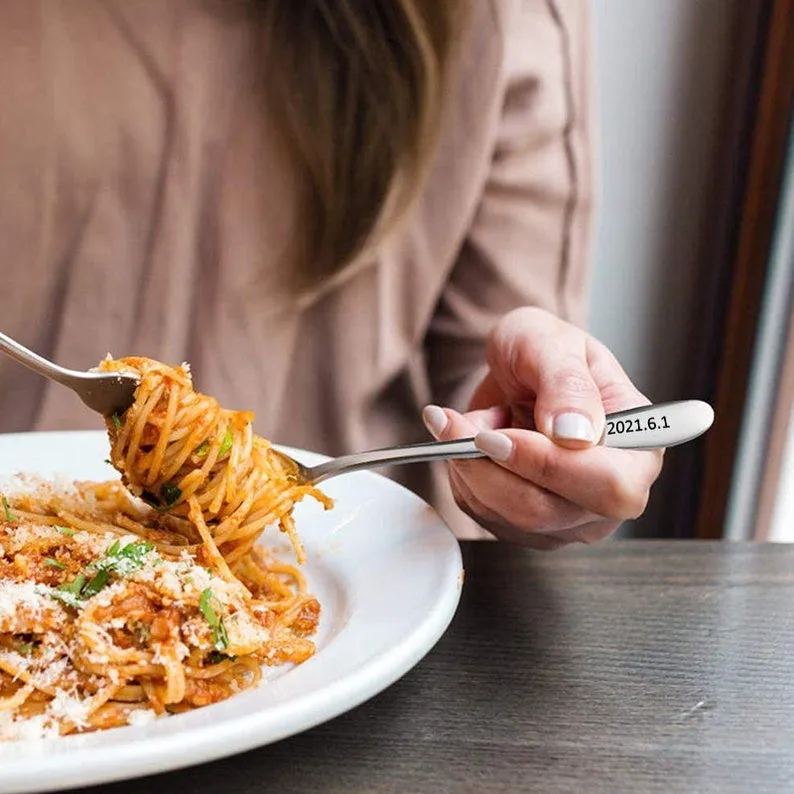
{"points": [[629, 666]]}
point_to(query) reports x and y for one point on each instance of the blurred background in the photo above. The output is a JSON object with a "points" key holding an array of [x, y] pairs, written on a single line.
{"points": [[695, 247]]}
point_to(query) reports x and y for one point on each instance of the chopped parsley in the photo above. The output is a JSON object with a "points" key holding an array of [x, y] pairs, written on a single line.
{"points": [[202, 449], [74, 587], [7, 508], [228, 439], [207, 600], [96, 584], [116, 421], [25, 648], [151, 500], [64, 531], [171, 494], [69, 599], [216, 657], [119, 560], [69, 592], [53, 563], [125, 560]]}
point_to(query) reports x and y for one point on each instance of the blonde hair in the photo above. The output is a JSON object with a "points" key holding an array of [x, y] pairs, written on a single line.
{"points": [[358, 87]]}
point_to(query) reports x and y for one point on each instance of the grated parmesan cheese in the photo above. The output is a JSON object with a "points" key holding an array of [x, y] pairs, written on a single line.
{"points": [[25, 599], [70, 708], [138, 717], [38, 727]]}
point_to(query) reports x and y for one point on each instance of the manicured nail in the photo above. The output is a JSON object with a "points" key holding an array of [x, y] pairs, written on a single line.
{"points": [[573, 427], [496, 446], [435, 420]]}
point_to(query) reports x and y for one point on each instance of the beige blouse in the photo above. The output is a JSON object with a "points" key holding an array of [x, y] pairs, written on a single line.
{"points": [[144, 206]]}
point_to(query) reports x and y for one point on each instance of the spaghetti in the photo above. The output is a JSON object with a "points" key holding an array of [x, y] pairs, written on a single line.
{"points": [[122, 601]]}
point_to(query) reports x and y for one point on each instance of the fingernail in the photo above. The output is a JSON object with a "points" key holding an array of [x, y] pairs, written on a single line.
{"points": [[435, 420], [496, 446], [573, 427]]}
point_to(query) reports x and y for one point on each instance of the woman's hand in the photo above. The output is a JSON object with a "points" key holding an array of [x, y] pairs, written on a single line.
{"points": [[538, 415]]}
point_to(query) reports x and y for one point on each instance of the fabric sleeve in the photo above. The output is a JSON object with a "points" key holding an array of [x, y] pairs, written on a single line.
{"points": [[529, 242]]}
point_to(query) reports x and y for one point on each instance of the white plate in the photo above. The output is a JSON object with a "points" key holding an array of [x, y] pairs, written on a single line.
{"points": [[386, 570]]}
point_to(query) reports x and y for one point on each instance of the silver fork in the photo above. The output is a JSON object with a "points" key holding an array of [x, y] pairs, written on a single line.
{"points": [[105, 392], [646, 427]]}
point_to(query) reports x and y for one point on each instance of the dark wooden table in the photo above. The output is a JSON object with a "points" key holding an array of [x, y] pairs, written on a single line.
{"points": [[629, 666]]}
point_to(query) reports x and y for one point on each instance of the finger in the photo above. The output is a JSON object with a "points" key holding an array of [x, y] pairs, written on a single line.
{"points": [[518, 413], [496, 525], [494, 492], [487, 394], [437, 420], [613, 483], [533, 352], [615, 387], [588, 533]]}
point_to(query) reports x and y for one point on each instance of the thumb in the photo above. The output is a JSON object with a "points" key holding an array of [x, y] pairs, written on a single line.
{"points": [[533, 353]]}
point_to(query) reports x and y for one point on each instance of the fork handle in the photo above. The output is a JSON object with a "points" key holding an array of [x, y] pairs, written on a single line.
{"points": [[407, 453], [35, 362], [646, 427]]}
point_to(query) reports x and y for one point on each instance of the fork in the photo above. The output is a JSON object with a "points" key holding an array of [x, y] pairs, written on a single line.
{"points": [[106, 393], [647, 427]]}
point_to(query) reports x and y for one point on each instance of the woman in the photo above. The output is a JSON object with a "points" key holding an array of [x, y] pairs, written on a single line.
{"points": [[338, 212]]}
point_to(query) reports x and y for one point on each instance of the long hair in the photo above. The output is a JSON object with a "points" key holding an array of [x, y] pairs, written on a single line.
{"points": [[358, 88]]}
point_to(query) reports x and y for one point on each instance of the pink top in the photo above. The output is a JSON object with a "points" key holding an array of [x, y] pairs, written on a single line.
{"points": [[144, 205]]}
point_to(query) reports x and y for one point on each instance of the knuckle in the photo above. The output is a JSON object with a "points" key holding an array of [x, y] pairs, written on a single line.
{"points": [[620, 396], [524, 323], [574, 381], [624, 499]]}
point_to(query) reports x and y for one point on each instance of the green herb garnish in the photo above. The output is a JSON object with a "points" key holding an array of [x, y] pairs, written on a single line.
{"points": [[150, 500], [25, 648], [228, 439], [125, 560], [74, 586], [171, 494], [69, 592], [220, 636], [116, 421], [54, 563], [69, 599], [216, 657], [206, 601], [121, 561], [202, 449], [96, 584], [64, 531], [7, 508]]}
